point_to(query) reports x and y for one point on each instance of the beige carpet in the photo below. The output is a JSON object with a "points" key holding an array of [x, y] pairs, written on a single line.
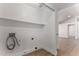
{"points": [[40, 52]]}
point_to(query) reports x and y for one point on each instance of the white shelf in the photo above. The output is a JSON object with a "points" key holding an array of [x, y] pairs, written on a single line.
{"points": [[23, 21], [22, 13]]}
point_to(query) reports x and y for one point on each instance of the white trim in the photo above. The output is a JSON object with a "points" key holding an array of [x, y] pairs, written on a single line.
{"points": [[51, 51]]}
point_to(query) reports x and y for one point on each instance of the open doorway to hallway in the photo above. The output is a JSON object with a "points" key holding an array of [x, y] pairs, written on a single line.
{"points": [[66, 39], [68, 29], [71, 31]]}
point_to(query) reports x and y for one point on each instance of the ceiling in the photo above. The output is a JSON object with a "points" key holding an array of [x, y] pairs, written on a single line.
{"points": [[60, 6], [66, 11]]}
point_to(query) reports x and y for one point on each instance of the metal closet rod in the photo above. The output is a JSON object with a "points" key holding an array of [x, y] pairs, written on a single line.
{"points": [[48, 7]]}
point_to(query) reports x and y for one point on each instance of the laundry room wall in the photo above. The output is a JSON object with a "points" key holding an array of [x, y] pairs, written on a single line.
{"points": [[44, 35]]}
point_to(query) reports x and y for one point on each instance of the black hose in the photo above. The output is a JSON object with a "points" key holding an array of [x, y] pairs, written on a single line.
{"points": [[13, 45], [14, 40]]}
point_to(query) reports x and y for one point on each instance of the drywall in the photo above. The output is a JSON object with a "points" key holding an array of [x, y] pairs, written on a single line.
{"points": [[21, 12], [22, 34], [45, 36], [77, 34]]}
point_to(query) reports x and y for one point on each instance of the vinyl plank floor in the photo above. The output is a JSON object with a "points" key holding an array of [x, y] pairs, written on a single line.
{"points": [[40, 52], [68, 47]]}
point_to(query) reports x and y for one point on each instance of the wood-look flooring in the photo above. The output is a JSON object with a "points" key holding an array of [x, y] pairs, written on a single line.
{"points": [[40, 52], [68, 47]]}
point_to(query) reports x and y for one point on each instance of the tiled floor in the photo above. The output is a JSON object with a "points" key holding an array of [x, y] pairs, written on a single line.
{"points": [[40, 52]]}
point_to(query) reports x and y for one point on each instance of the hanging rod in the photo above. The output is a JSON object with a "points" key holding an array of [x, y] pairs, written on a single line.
{"points": [[48, 7]]}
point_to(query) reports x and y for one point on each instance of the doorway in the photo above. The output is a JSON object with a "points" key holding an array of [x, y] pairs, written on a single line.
{"points": [[66, 39], [71, 31]]}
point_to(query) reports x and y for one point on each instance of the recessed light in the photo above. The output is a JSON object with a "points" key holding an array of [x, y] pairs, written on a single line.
{"points": [[68, 16]]}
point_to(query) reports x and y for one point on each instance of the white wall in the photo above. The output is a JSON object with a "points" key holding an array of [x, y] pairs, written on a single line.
{"points": [[22, 12], [45, 36], [77, 30]]}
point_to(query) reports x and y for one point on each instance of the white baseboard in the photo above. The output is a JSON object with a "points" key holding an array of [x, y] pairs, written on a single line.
{"points": [[51, 51], [54, 52], [21, 53]]}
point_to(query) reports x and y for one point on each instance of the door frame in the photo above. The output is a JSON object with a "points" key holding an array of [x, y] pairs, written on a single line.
{"points": [[68, 29]]}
